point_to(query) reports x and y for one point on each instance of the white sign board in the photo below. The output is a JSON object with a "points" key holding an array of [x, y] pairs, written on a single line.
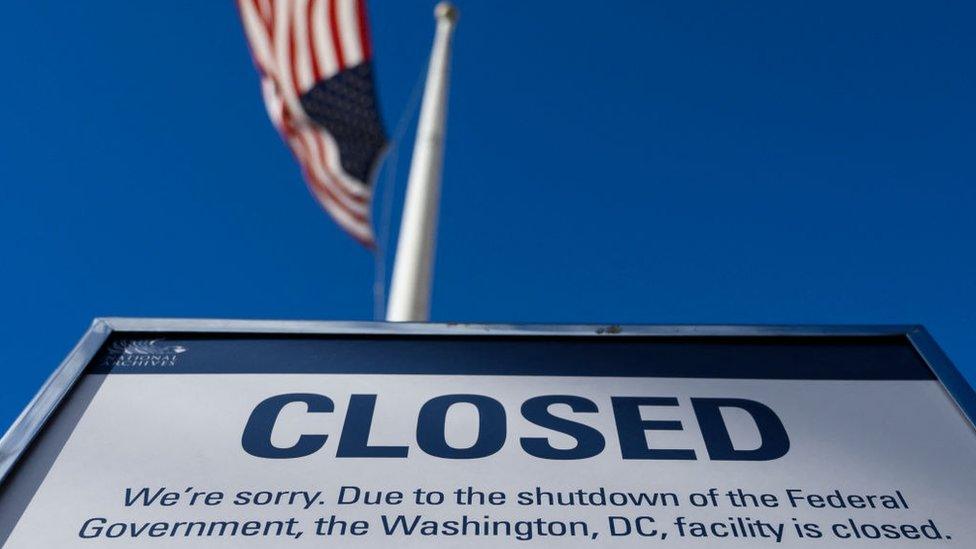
{"points": [[267, 435]]}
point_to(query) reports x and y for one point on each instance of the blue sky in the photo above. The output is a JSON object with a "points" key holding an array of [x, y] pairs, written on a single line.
{"points": [[679, 162]]}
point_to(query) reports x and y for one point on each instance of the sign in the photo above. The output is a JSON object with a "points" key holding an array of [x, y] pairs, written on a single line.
{"points": [[159, 433]]}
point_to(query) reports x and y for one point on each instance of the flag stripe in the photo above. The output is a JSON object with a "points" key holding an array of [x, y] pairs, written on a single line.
{"points": [[349, 30], [306, 158], [293, 58], [266, 12], [356, 190], [322, 37], [321, 169], [355, 224], [364, 40], [310, 32], [257, 33], [336, 36]]}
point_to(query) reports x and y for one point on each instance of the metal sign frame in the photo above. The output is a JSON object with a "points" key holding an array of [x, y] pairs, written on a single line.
{"points": [[51, 395]]}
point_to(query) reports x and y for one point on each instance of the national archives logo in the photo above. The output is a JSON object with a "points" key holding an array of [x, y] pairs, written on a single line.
{"points": [[143, 353]]}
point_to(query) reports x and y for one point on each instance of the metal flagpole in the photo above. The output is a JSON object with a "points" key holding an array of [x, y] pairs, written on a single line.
{"points": [[413, 266]]}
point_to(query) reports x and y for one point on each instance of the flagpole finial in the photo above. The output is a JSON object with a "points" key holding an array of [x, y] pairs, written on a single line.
{"points": [[446, 11]]}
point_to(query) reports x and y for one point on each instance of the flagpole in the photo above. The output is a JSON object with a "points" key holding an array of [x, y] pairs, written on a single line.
{"points": [[413, 266]]}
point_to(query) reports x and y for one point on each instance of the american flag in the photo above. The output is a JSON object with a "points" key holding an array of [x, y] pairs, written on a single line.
{"points": [[314, 57]]}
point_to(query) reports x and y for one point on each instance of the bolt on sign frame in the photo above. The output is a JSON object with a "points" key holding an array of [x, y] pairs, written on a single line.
{"points": [[16, 445]]}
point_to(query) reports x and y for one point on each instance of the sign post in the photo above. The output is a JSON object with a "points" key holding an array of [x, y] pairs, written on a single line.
{"points": [[275, 434]]}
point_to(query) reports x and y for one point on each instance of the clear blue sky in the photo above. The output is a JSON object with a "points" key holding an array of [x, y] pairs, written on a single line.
{"points": [[645, 162]]}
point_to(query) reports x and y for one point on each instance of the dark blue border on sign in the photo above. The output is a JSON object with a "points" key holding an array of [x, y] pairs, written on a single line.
{"points": [[731, 357]]}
